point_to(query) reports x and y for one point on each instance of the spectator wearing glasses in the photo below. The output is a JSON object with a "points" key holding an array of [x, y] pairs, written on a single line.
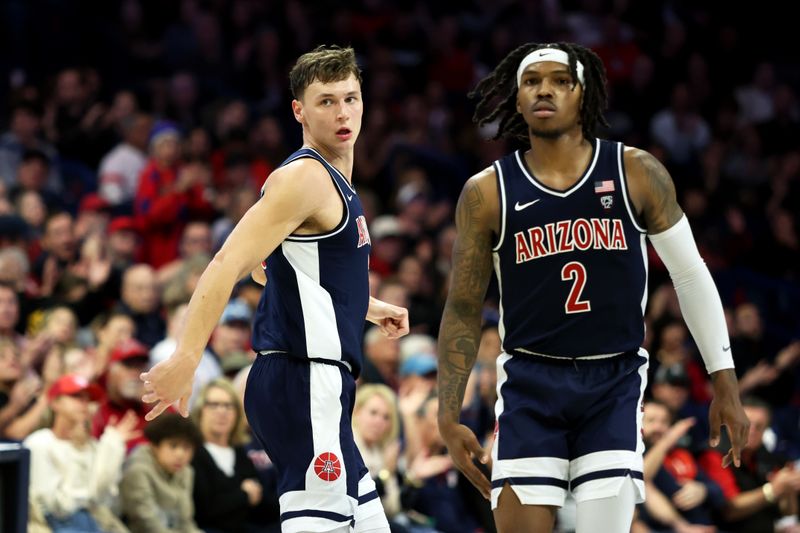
{"points": [[226, 490]]}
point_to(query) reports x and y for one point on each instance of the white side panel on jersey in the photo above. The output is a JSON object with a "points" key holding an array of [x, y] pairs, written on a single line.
{"points": [[501, 327], [501, 180], [322, 335], [643, 246]]}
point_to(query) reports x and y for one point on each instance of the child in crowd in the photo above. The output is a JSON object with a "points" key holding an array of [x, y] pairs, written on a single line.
{"points": [[156, 490], [74, 476]]}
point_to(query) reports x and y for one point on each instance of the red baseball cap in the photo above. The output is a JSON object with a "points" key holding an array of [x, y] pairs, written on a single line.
{"points": [[74, 384], [122, 223], [128, 349], [94, 202]]}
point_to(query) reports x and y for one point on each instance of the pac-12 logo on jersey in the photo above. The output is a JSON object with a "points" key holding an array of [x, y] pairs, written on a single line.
{"points": [[363, 232]]}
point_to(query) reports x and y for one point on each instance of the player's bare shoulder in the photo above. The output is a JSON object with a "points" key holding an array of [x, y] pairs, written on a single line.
{"points": [[303, 175], [651, 189], [303, 194], [480, 201]]}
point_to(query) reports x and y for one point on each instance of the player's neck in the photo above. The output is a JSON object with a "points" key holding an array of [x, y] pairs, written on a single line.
{"points": [[566, 154], [342, 160]]}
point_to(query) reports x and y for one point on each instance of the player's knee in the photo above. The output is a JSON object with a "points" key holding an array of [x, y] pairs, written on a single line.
{"points": [[511, 516]]}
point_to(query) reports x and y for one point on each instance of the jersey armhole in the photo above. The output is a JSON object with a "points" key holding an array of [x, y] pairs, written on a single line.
{"points": [[623, 180], [345, 207], [501, 195]]}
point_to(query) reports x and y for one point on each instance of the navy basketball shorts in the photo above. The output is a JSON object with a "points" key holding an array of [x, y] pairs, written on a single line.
{"points": [[301, 413], [568, 425]]}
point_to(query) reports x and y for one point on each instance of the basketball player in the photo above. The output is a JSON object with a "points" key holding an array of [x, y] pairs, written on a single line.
{"points": [[310, 226], [564, 225]]}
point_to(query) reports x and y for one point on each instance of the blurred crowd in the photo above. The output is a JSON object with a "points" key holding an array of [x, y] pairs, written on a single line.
{"points": [[135, 134]]}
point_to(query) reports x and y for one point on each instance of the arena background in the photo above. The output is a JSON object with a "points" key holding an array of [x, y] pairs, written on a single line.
{"points": [[711, 91]]}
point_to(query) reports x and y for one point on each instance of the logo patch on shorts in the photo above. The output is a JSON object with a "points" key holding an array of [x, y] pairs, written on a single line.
{"points": [[327, 467]]}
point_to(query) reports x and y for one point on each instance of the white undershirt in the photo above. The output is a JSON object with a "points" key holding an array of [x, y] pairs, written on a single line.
{"points": [[223, 456]]}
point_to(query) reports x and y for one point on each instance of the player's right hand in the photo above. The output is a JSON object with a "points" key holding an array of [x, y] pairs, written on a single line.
{"points": [[168, 382], [463, 446]]}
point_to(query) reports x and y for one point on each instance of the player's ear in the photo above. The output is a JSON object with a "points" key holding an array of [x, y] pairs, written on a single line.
{"points": [[519, 107], [297, 109]]}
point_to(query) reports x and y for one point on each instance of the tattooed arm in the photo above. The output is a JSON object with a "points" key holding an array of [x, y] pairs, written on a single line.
{"points": [[459, 335], [653, 194], [652, 191]]}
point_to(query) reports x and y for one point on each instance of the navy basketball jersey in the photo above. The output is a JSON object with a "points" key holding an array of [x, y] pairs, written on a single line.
{"points": [[317, 293], [571, 265]]}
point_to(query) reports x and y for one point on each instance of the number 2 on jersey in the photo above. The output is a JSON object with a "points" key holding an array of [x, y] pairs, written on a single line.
{"points": [[575, 272]]}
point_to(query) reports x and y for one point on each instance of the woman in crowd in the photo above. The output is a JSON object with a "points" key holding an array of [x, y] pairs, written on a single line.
{"points": [[226, 490], [376, 425]]}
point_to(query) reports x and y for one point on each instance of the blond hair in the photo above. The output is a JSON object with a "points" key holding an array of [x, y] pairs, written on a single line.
{"points": [[239, 434], [363, 395]]}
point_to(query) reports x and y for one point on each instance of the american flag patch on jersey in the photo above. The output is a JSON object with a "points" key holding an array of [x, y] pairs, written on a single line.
{"points": [[604, 186]]}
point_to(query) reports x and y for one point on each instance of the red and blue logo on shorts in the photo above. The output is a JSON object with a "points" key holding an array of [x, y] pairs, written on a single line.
{"points": [[327, 467]]}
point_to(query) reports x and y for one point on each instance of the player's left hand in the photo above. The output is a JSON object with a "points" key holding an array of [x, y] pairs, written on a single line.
{"points": [[391, 319], [464, 448], [168, 382], [726, 410]]}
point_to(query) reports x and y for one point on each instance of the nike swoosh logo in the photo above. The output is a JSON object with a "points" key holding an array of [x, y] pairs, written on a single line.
{"points": [[542, 54], [726, 348], [519, 207], [349, 196]]}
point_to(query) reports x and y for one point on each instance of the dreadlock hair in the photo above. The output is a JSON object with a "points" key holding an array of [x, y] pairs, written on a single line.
{"points": [[502, 83]]}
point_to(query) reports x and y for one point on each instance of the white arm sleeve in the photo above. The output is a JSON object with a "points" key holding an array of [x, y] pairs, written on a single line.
{"points": [[697, 294]]}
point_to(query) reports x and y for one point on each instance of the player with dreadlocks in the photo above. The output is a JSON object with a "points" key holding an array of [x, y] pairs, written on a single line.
{"points": [[564, 223]]}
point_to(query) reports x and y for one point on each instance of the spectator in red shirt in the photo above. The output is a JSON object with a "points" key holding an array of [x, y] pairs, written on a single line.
{"points": [[124, 389], [169, 195], [762, 495], [669, 468]]}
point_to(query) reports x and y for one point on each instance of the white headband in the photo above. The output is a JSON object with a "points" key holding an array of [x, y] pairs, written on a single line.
{"points": [[548, 54]]}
